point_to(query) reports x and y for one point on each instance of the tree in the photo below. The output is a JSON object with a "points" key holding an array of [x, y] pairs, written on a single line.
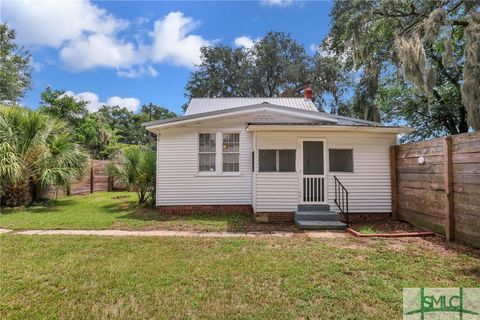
{"points": [[15, 67], [92, 131], [136, 167], [281, 66], [35, 151], [277, 65], [223, 72], [434, 45], [329, 77], [150, 112], [61, 106], [97, 137]]}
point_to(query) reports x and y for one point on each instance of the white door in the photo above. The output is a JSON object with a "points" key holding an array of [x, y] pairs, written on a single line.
{"points": [[312, 182]]}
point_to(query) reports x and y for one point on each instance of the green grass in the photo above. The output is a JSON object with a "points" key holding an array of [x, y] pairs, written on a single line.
{"points": [[367, 230], [67, 277], [102, 211]]}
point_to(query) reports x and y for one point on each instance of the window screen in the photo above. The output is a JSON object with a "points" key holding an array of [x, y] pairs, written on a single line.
{"points": [[231, 152], [341, 160], [276, 160], [286, 160], [267, 160], [313, 157], [206, 152]]}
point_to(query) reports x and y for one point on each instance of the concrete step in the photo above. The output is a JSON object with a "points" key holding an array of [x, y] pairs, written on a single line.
{"points": [[313, 207], [317, 216], [321, 225]]}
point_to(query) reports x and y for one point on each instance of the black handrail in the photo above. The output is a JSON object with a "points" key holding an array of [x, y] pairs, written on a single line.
{"points": [[341, 198]]}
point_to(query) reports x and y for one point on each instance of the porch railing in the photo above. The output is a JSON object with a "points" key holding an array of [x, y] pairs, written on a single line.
{"points": [[341, 199], [313, 189]]}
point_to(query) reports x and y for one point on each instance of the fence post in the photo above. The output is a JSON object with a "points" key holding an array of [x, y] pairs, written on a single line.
{"points": [[393, 181], [91, 176], [448, 177]]}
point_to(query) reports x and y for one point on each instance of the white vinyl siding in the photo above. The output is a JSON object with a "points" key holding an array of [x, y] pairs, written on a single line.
{"points": [[180, 183], [368, 185]]}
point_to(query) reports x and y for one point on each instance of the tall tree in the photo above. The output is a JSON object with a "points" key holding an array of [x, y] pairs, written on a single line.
{"points": [[328, 77], [15, 67], [281, 66], [277, 65], [92, 131], [434, 45], [59, 105], [223, 72]]}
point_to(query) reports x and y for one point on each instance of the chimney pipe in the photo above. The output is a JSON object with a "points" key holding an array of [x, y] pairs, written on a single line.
{"points": [[308, 93]]}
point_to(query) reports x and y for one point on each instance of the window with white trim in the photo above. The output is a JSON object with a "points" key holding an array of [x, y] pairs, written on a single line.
{"points": [[206, 152], [231, 152]]}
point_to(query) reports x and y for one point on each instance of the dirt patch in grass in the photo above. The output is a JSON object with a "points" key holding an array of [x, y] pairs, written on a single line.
{"points": [[121, 197]]}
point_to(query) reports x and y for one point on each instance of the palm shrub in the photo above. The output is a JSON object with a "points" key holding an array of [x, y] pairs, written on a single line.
{"points": [[35, 151], [136, 167]]}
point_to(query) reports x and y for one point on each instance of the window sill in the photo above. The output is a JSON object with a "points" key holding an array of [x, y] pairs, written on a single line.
{"points": [[230, 174], [218, 174], [342, 172]]}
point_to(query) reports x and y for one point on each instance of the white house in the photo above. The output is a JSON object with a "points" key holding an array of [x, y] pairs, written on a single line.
{"points": [[272, 157]]}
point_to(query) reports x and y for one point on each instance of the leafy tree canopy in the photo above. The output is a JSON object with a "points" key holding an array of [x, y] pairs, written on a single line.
{"points": [[417, 60], [277, 65], [15, 67]]}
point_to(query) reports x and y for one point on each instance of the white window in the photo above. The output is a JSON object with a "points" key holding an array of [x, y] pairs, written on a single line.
{"points": [[231, 152], [206, 152]]}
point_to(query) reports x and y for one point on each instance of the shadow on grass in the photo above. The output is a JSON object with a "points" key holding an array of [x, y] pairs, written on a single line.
{"points": [[238, 222], [48, 206]]}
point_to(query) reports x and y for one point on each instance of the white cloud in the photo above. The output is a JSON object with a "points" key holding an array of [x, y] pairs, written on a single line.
{"points": [[94, 102], [130, 104], [98, 50], [278, 3], [52, 22], [172, 43], [87, 36], [135, 72], [244, 42]]}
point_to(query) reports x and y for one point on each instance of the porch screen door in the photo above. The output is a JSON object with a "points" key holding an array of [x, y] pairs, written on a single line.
{"points": [[313, 177]]}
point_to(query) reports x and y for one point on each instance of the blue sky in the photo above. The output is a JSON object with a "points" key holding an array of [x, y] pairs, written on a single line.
{"points": [[135, 52]]}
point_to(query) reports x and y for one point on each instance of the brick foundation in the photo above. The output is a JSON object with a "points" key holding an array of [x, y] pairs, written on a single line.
{"points": [[210, 209], [272, 217], [361, 216]]}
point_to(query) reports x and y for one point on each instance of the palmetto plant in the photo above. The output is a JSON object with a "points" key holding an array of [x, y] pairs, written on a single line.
{"points": [[35, 151], [136, 167]]}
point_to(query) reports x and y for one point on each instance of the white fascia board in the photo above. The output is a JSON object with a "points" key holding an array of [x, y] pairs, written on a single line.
{"points": [[336, 128]]}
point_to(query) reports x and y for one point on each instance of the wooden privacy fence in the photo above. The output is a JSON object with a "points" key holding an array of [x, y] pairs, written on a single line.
{"points": [[95, 179], [436, 185]]}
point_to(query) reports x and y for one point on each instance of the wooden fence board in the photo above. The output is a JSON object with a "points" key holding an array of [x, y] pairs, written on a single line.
{"points": [[466, 188], [95, 179], [422, 189]]}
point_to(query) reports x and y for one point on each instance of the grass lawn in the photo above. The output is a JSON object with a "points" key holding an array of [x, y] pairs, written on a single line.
{"points": [[90, 277], [108, 210]]}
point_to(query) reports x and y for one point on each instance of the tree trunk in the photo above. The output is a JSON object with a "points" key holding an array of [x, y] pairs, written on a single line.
{"points": [[17, 195]]}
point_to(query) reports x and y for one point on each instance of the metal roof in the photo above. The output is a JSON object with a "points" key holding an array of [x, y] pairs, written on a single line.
{"points": [[201, 105], [323, 117]]}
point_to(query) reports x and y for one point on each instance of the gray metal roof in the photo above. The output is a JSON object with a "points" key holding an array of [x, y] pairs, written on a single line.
{"points": [[201, 105], [319, 116]]}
